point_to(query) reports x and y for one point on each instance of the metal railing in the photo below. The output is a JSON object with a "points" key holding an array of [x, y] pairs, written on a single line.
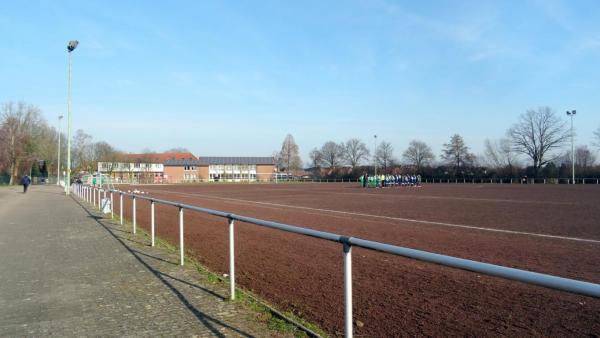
{"points": [[500, 180], [89, 194]]}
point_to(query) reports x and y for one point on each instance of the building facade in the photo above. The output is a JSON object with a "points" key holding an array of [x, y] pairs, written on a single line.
{"points": [[220, 169], [141, 168]]}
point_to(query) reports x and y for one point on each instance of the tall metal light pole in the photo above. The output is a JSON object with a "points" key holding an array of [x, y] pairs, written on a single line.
{"points": [[70, 47], [375, 156], [572, 114], [58, 165]]}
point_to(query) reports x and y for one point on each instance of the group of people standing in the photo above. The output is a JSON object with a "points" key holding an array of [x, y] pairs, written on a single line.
{"points": [[382, 181]]}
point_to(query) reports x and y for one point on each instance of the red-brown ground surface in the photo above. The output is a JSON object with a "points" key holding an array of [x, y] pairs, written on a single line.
{"points": [[395, 296]]}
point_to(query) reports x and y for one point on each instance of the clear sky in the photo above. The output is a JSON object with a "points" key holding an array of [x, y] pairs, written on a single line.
{"points": [[232, 78]]}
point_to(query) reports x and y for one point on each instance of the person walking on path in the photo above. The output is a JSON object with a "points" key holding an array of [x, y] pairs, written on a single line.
{"points": [[25, 181]]}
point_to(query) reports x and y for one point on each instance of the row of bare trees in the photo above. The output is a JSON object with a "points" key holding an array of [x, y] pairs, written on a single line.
{"points": [[27, 140], [538, 139]]}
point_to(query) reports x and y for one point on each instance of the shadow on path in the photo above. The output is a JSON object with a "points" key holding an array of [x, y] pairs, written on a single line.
{"points": [[205, 319]]}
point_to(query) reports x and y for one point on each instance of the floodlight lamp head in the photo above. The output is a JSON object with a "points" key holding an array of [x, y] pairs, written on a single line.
{"points": [[72, 45], [568, 113], [60, 117], [574, 112]]}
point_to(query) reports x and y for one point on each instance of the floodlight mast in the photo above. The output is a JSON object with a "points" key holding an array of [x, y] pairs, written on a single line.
{"points": [[60, 117], [70, 47], [375, 158], [572, 114]]}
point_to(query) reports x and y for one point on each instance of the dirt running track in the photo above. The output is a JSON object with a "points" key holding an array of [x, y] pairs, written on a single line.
{"points": [[544, 228]]}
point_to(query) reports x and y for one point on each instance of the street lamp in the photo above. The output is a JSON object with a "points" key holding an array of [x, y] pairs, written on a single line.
{"points": [[70, 47], [375, 156], [571, 114], [58, 166]]}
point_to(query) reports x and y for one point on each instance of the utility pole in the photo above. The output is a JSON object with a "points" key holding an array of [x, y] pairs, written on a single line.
{"points": [[375, 156], [58, 165], [572, 114], [70, 47]]}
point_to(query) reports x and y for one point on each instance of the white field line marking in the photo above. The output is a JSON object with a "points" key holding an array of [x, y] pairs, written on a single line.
{"points": [[389, 217], [405, 197]]}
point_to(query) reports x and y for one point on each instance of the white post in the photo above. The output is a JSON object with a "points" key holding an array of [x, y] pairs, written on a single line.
{"points": [[112, 206], [347, 290], [94, 196], [231, 261], [152, 221], [134, 222], [181, 235], [121, 208], [101, 198]]}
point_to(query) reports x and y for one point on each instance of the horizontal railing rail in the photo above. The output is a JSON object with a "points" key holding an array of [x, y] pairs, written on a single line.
{"points": [[545, 280]]}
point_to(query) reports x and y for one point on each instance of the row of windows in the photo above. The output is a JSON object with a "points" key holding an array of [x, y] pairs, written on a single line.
{"points": [[229, 177], [232, 168], [189, 167], [106, 166]]}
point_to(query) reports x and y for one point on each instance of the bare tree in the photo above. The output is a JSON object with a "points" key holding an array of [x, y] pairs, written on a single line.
{"points": [[289, 154], [536, 134], [596, 141], [316, 158], [418, 154], [82, 151], [355, 151], [584, 159], [384, 155], [19, 136], [332, 154], [500, 155], [456, 153]]}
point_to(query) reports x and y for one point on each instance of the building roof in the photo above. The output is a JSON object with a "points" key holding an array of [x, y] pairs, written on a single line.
{"points": [[157, 157], [221, 160]]}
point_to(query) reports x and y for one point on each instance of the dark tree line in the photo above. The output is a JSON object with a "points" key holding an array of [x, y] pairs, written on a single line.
{"points": [[534, 146]]}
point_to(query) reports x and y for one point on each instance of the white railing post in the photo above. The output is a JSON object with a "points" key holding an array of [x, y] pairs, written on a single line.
{"points": [[94, 196], [112, 206], [99, 199], [347, 290], [181, 235], [231, 260], [134, 220], [103, 199], [121, 208], [152, 221]]}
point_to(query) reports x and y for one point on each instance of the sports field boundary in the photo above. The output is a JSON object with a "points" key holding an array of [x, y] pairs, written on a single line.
{"points": [[528, 277], [401, 219]]}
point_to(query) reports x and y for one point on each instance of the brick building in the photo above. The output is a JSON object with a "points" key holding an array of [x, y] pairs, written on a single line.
{"points": [[141, 168], [219, 169]]}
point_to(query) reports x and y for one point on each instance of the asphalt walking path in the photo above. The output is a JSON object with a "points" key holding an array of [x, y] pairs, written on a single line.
{"points": [[65, 271]]}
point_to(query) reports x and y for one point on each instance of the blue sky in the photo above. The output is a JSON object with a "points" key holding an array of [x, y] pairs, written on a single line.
{"points": [[234, 77]]}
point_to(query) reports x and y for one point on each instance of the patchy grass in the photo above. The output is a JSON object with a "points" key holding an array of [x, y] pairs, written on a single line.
{"points": [[275, 320]]}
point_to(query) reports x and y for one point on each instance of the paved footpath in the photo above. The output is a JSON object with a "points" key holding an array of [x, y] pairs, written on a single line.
{"points": [[65, 272]]}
